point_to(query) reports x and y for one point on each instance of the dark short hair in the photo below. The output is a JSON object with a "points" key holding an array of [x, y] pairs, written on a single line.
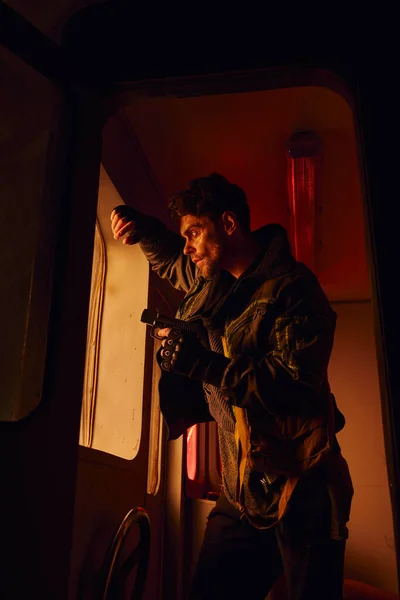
{"points": [[211, 196]]}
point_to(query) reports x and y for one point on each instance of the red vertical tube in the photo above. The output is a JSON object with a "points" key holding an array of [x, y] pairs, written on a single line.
{"points": [[191, 452], [303, 156]]}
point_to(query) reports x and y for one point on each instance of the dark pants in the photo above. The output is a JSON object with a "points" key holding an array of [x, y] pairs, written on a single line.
{"points": [[238, 561]]}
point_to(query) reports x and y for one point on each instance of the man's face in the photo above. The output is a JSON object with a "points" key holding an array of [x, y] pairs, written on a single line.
{"points": [[203, 243]]}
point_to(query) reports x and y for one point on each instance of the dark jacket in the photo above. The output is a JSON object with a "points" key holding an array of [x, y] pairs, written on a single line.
{"points": [[277, 328]]}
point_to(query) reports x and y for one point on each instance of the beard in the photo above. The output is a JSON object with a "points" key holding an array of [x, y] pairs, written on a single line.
{"points": [[210, 263]]}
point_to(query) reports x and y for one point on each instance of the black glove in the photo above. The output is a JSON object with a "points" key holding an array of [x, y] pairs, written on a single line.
{"points": [[185, 355]]}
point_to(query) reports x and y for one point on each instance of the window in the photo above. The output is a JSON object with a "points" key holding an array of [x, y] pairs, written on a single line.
{"points": [[114, 374], [29, 106]]}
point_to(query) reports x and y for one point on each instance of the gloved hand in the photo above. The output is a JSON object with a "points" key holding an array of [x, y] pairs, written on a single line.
{"points": [[185, 355]]}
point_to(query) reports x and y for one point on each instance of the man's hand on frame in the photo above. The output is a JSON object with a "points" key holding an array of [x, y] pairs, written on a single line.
{"points": [[124, 224]]}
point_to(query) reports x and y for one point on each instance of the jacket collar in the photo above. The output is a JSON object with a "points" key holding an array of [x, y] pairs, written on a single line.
{"points": [[274, 260]]}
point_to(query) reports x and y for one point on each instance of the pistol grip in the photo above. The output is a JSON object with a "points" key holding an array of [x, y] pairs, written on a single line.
{"points": [[153, 332]]}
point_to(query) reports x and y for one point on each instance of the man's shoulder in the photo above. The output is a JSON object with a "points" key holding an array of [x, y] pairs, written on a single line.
{"points": [[300, 275], [297, 285], [296, 273]]}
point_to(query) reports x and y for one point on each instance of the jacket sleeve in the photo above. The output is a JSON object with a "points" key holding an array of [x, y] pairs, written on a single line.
{"points": [[293, 373], [164, 250]]}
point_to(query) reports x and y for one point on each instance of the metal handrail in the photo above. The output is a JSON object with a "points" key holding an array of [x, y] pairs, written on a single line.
{"points": [[113, 579]]}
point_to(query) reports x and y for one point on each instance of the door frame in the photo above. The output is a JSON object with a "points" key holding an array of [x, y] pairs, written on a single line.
{"points": [[89, 111]]}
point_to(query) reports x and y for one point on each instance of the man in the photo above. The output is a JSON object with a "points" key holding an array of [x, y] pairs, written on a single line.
{"points": [[263, 377]]}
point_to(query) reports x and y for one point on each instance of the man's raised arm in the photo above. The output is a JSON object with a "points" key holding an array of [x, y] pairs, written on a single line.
{"points": [[161, 246]]}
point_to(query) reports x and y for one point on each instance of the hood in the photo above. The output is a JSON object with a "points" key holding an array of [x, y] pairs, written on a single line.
{"points": [[276, 257], [274, 260]]}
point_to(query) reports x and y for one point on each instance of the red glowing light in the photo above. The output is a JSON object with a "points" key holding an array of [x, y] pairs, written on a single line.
{"points": [[191, 452], [303, 155]]}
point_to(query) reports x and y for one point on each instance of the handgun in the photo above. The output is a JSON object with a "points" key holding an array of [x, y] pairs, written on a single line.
{"points": [[158, 321]]}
